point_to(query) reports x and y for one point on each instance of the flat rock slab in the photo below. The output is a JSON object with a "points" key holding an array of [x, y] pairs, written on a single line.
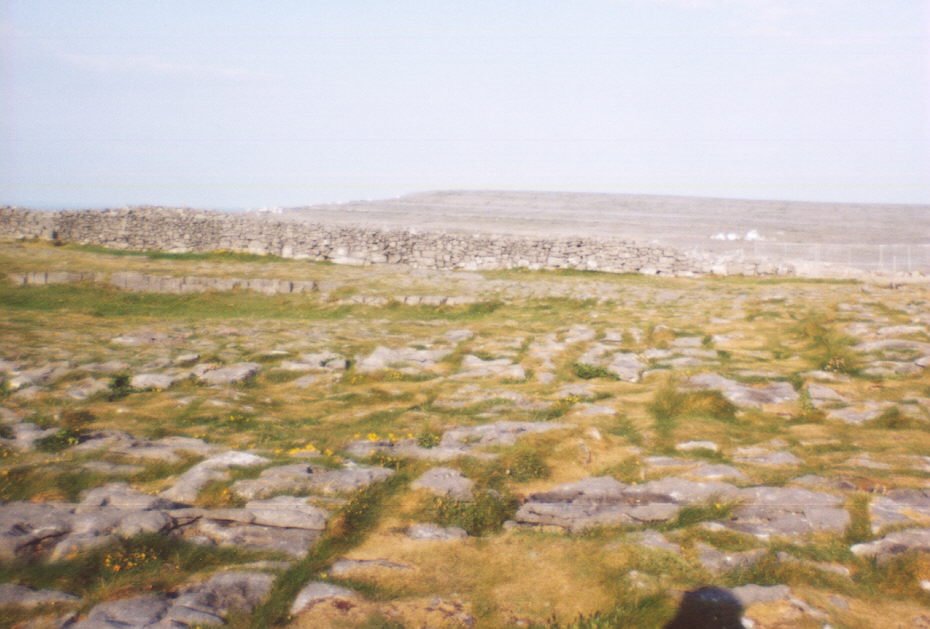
{"points": [[776, 511], [59, 529], [317, 592], [345, 567], [233, 374], [753, 594], [713, 472], [756, 455], [895, 544], [216, 468], [597, 501], [900, 506], [502, 433], [239, 528], [456, 442], [895, 347], [740, 394], [88, 387], [433, 532], [690, 446], [405, 359], [719, 561], [655, 541], [625, 366], [475, 367], [860, 413], [21, 596], [823, 396], [168, 449], [302, 478], [444, 481], [205, 603], [157, 381]]}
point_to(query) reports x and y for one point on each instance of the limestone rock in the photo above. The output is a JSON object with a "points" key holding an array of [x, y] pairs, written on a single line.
{"points": [[717, 561], [405, 359], [475, 367], [894, 544], [157, 381], [345, 567], [772, 511], [625, 366], [899, 506], [429, 531], [319, 591], [444, 481], [745, 395], [86, 388], [301, 477], [752, 594], [21, 596], [688, 446], [599, 501], [233, 374], [189, 484]]}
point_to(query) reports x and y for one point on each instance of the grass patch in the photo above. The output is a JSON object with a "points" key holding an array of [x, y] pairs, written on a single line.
{"points": [[626, 429], [860, 525], [485, 513], [710, 512], [208, 256], [653, 610], [828, 349], [894, 419], [147, 562], [589, 372], [348, 529], [669, 403]]}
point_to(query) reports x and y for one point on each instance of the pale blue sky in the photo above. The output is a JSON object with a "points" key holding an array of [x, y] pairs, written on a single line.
{"points": [[248, 104]]}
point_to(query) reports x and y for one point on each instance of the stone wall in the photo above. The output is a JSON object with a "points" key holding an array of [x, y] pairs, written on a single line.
{"points": [[154, 283], [194, 230]]}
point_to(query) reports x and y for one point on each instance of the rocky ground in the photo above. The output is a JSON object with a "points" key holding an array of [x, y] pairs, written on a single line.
{"points": [[547, 449]]}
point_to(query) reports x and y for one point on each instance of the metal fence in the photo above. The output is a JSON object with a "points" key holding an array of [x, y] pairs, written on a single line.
{"points": [[886, 258]]}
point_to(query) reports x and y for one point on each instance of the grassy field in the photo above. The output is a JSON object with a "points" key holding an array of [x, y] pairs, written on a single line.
{"points": [[753, 332]]}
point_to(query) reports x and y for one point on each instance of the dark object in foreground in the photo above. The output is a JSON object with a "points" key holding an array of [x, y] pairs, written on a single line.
{"points": [[708, 608]]}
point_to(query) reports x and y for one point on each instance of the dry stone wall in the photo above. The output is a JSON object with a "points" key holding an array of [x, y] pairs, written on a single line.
{"points": [[185, 230]]}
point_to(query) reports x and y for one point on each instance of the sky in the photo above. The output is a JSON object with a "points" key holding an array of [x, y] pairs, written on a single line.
{"points": [[234, 104]]}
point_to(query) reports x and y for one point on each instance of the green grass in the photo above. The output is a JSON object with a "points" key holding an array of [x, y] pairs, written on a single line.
{"points": [[210, 256], [483, 514], [670, 403], [348, 529], [589, 372], [827, 348], [652, 610]]}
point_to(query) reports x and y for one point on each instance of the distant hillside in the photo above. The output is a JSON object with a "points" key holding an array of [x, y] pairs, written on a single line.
{"points": [[672, 219]]}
